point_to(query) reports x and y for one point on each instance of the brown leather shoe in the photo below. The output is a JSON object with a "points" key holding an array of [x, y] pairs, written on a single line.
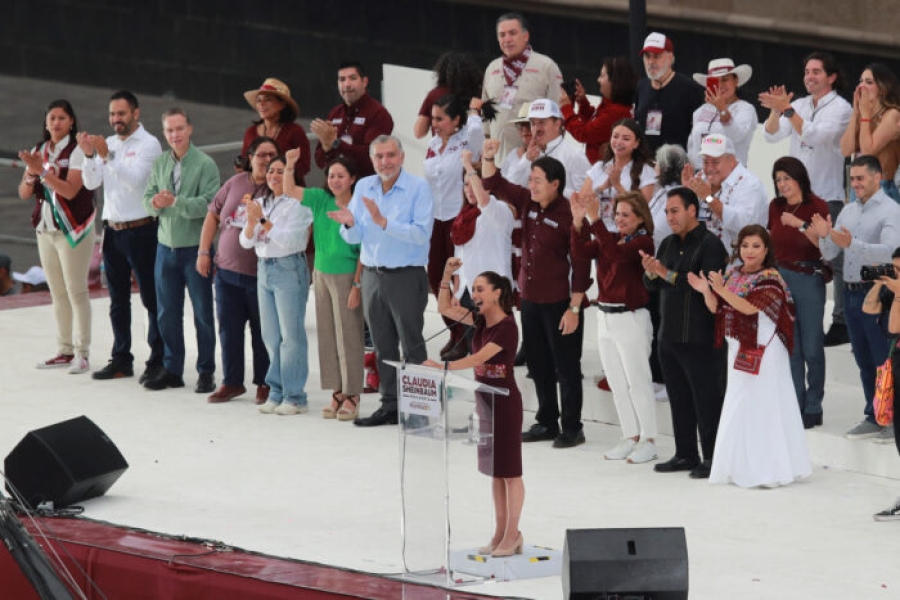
{"points": [[226, 393], [262, 394]]}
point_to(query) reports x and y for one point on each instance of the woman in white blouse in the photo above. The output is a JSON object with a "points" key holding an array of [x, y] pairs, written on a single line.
{"points": [[278, 229], [456, 127], [723, 111], [625, 165], [482, 234]]}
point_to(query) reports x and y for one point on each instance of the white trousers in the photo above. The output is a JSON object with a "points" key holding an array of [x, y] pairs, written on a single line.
{"points": [[624, 341]]}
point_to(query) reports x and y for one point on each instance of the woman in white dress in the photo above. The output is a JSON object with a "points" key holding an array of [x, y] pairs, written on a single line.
{"points": [[724, 112], [760, 441]]}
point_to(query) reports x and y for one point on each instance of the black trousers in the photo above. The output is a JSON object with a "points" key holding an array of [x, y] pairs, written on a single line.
{"points": [[695, 382], [554, 358]]}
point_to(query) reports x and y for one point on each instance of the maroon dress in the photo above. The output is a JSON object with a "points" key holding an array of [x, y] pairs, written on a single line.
{"points": [[506, 445]]}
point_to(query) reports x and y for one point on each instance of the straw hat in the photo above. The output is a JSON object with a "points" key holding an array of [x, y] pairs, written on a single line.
{"points": [[275, 87], [523, 114], [725, 66]]}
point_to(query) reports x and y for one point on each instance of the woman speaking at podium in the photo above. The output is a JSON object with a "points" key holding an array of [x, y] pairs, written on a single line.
{"points": [[494, 345]]}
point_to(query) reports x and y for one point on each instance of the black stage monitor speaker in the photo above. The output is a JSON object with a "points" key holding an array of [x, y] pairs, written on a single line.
{"points": [[64, 463], [600, 564]]}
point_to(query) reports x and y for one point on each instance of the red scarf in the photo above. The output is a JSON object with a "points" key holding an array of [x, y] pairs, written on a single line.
{"points": [[513, 67], [463, 227]]}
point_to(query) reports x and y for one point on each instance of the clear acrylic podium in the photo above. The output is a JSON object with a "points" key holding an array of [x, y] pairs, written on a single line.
{"points": [[446, 463]]}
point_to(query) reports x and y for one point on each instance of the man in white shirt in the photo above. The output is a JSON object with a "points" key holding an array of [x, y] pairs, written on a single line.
{"points": [[516, 78], [868, 231], [731, 197], [816, 123], [122, 163], [548, 139]]}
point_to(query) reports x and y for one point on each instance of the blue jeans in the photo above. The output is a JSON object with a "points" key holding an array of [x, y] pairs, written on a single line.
{"points": [[870, 345], [236, 306], [283, 288], [808, 357], [124, 252], [175, 270]]}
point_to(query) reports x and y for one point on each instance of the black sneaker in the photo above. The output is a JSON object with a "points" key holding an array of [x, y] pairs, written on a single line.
{"points": [[569, 440], [837, 335], [164, 380], [205, 384], [113, 370], [150, 372]]}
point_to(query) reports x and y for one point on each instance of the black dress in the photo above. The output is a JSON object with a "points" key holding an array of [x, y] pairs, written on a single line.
{"points": [[506, 445]]}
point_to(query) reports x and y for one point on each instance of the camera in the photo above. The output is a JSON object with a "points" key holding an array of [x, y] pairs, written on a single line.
{"points": [[873, 272], [569, 88]]}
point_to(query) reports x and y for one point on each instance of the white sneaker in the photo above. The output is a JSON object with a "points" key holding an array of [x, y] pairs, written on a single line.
{"points": [[622, 450], [645, 451], [79, 365], [288, 408], [269, 407], [659, 390]]}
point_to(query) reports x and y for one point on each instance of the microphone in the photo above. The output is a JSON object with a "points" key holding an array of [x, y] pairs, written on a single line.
{"points": [[428, 339]]}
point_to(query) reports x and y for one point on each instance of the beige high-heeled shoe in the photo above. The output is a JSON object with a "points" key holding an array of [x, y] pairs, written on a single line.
{"points": [[486, 550], [517, 549], [330, 411]]}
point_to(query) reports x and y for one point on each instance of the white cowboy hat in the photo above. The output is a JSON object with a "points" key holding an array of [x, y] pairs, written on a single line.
{"points": [[725, 66]]}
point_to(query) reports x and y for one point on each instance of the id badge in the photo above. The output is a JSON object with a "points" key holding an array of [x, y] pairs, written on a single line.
{"points": [[509, 96], [654, 122]]}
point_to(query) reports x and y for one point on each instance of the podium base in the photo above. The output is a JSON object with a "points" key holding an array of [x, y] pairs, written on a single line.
{"points": [[535, 561]]}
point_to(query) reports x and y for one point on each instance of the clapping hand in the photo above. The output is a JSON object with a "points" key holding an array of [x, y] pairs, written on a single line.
{"points": [[716, 280], [842, 238], [698, 282], [822, 226], [652, 265]]}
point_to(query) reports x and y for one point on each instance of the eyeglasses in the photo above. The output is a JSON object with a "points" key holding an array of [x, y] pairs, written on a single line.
{"points": [[266, 154]]}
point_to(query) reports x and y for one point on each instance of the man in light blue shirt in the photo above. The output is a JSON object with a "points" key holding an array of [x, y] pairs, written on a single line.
{"points": [[868, 231], [390, 216]]}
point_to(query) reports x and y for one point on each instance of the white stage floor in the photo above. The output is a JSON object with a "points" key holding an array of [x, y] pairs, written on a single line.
{"points": [[327, 491]]}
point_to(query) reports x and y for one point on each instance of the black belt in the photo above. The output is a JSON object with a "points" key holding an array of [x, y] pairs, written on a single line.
{"points": [[858, 287], [381, 270], [611, 309]]}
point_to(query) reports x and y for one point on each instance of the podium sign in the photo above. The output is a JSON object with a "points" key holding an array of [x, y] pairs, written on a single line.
{"points": [[446, 463]]}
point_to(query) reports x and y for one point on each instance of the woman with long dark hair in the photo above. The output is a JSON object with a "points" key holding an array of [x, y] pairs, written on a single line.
{"points": [[455, 73], [63, 218], [760, 441], [494, 346], [874, 126], [626, 164], [593, 126], [799, 261], [457, 127]]}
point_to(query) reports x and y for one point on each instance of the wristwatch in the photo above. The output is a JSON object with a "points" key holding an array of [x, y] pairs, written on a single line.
{"points": [[263, 221], [575, 309], [709, 199], [335, 143], [803, 227], [789, 113]]}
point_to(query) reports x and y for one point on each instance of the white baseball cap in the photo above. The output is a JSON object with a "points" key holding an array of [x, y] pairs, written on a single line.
{"points": [[715, 145], [544, 109]]}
